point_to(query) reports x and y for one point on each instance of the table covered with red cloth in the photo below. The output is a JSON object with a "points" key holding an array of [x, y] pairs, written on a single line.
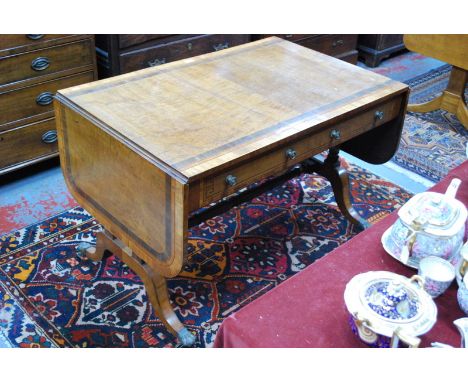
{"points": [[308, 310]]}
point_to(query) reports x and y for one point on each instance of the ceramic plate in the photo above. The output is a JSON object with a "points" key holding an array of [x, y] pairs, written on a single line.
{"points": [[385, 237]]}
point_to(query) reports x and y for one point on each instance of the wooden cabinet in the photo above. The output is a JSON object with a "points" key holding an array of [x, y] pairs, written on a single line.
{"points": [[342, 46], [118, 54], [32, 69], [373, 48]]}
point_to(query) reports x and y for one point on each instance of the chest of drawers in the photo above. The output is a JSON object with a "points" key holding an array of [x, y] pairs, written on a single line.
{"points": [[32, 69], [373, 48], [342, 46], [118, 54]]}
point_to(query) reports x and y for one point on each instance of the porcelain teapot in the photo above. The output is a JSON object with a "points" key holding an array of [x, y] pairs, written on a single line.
{"points": [[429, 224], [386, 308]]}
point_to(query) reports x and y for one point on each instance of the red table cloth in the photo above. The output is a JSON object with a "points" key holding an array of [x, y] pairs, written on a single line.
{"points": [[308, 309]]}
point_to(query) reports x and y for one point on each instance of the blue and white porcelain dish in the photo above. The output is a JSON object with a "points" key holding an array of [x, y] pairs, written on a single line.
{"points": [[386, 307]]}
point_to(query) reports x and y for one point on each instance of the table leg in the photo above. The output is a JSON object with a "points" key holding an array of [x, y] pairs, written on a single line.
{"points": [[155, 284], [339, 179], [452, 99]]}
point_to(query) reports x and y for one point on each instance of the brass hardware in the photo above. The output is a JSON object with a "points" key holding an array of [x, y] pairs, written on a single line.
{"points": [[231, 180], [379, 115], [291, 153], [335, 134], [337, 43], [40, 63], [221, 46], [44, 98], [49, 136], [34, 36], [289, 35], [157, 62], [189, 46]]}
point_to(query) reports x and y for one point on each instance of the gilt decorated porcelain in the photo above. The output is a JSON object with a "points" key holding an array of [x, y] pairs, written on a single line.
{"points": [[429, 224], [386, 308]]}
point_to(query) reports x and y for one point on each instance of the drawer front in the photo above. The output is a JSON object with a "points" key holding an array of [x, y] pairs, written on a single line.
{"points": [[350, 57], [277, 161], [33, 100], [126, 40], [291, 37], [44, 61], [178, 50], [14, 40], [28, 143], [333, 45]]}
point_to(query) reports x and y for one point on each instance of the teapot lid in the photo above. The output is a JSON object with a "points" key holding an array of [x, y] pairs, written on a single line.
{"points": [[387, 301], [435, 213]]}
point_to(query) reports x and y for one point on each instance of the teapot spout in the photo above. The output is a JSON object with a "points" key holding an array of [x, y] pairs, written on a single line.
{"points": [[462, 326]]}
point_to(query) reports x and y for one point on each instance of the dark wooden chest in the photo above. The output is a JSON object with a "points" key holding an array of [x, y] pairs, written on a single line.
{"points": [[373, 48]]}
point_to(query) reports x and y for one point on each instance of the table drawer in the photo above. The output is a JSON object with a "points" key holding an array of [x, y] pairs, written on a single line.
{"points": [[26, 102], [27, 143], [273, 163], [45, 61], [177, 50], [15, 40], [333, 45]]}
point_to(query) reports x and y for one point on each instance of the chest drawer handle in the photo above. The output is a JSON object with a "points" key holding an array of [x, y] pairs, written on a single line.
{"points": [[335, 134], [40, 63], [221, 46], [189, 46], [231, 180], [337, 43], [34, 36], [49, 136], [291, 153], [379, 115], [157, 62], [44, 98]]}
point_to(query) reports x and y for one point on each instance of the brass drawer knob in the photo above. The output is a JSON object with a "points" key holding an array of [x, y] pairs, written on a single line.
{"points": [[34, 36], [189, 46], [379, 115], [337, 43], [157, 62], [291, 154], [44, 98], [231, 180], [335, 134], [49, 136], [40, 63], [220, 46]]}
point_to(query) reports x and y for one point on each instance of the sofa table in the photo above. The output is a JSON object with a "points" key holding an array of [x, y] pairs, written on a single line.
{"points": [[308, 309], [152, 152]]}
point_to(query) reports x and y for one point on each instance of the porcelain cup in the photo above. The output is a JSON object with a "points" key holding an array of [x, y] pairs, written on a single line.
{"points": [[437, 274]]}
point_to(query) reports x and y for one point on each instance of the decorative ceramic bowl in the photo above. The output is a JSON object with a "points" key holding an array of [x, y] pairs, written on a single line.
{"points": [[429, 224], [386, 308]]}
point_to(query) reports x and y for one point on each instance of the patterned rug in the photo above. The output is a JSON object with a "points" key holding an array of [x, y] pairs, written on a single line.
{"points": [[432, 143], [50, 297]]}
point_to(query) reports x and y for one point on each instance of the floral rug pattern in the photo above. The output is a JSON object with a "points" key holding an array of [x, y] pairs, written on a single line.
{"points": [[51, 297]]}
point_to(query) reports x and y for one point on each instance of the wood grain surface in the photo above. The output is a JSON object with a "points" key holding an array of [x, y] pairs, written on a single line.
{"points": [[199, 115]]}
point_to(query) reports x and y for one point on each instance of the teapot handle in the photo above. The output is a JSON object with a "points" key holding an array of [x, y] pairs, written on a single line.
{"points": [[399, 335], [452, 188], [418, 279]]}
